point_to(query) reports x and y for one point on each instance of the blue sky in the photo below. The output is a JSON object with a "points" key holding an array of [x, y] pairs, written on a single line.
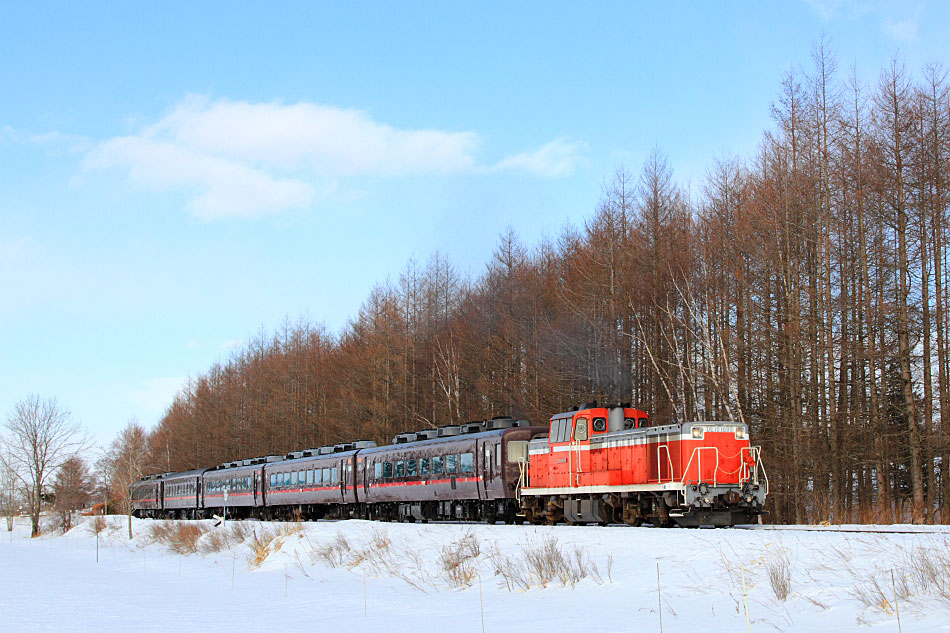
{"points": [[175, 177]]}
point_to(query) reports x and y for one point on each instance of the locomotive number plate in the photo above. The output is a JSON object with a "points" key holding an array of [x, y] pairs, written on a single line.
{"points": [[719, 429]]}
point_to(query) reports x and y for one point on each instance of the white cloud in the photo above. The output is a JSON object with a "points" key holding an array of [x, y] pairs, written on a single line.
{"points": [[902, 30], [846, 9], [231, 344], [240, 159], [72, 143], [151, 397], [244, 159], [560, 157]]}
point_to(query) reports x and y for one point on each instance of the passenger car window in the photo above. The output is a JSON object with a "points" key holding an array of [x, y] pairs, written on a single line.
{"points": [[326, 476], [424, 467], [333, 473], [287, 480], [451, 463], [410, 468], [388, 470], [467, 462], [400, 468], [377, 470], [437, 465]]}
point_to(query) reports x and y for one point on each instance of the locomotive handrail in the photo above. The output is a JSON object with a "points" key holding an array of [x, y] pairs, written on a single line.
{"points": [[755, 453], [699, 464], [522, 477], [669, 460]]}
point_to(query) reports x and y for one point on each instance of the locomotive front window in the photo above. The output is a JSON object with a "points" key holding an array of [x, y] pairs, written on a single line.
{"points": [[437, 465], [629, 423], [564, 430], [451, 463], [410, 468], [580, 430], [388, 470], [468, 461], [600, 425]]}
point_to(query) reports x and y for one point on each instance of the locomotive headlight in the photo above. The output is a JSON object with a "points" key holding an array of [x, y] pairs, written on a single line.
{"points": [[697, 432], [740, 434]]}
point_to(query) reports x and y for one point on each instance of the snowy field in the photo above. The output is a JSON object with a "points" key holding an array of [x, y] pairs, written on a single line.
{"points": [[363, 576]]}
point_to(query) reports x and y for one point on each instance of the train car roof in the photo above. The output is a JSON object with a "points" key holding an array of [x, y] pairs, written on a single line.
{"points": [[296, 461], [228, 471], [446, 439], [186, 473]]}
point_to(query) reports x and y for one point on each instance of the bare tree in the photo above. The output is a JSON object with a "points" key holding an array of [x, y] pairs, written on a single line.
{"points": [[40, 436], [72, 489], [124, 462], [8, 492]]}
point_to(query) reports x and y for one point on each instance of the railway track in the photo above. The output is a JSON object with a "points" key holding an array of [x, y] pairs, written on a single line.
{"points": [[831, 528]]}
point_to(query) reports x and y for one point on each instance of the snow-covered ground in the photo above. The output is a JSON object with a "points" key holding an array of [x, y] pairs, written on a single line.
{"points": [[363, 576]]}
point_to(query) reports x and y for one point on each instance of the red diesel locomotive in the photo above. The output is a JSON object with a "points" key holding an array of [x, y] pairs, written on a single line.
{"points": [[607, 464]]}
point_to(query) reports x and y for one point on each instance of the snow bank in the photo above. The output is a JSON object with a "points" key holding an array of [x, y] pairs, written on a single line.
{"points": [[365, 576]]}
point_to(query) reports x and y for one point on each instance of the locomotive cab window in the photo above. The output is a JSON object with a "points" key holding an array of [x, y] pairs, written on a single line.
{"points": [[629, 423], [599, 425]]}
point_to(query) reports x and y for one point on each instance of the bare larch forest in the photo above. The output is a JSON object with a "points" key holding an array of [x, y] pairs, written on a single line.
{"points": [[803, 289]]}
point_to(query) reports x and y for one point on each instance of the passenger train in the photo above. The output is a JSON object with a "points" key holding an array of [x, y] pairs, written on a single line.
{"points": [[593, 464]]}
